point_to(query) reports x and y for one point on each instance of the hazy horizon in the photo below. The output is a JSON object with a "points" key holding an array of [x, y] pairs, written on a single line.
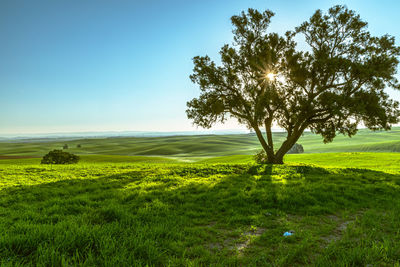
{"points": [[125, 133], [101, 134]]}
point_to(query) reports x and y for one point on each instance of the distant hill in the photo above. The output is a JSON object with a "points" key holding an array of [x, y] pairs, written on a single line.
{"points": [[80, 135], [201, 145]]}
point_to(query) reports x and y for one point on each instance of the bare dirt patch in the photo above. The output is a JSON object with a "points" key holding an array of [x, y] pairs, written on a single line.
{"points": [[338, 232], [247, 236], [240, 244]]}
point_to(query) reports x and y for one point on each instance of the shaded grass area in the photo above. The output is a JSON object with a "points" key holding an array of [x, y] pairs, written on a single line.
{"points": [[198, 214]]}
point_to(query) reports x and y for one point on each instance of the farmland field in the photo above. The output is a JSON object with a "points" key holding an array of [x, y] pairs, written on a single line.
{"points": [[200, 146], [221, 210]]}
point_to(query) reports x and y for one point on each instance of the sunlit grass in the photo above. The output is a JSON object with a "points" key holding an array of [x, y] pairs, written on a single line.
{"points": [[124, 214]]}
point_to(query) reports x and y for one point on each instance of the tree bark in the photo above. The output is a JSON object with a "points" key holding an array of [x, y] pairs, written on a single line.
{"points": [[272, 157], [266, 147], [268, 131], [287, 144], [277, 160]]}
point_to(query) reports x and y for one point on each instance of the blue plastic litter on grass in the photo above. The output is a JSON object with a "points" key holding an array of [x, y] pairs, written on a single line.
{"points": [[289, 233]]}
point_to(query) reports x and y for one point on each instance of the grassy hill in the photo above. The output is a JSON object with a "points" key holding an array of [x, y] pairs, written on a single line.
{"points": [[388, 162], [135, 202], [152, 214], [202, 146]]}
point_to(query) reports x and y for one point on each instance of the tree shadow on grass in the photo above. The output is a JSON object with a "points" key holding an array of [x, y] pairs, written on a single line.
{"points": [[150, 217]]}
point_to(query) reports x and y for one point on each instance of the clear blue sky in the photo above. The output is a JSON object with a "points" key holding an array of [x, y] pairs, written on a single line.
{"points": [[93, 65]]}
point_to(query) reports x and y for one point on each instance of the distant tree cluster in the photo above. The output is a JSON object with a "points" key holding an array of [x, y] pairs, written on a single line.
{"points": [[296, 149], [59, 157]]}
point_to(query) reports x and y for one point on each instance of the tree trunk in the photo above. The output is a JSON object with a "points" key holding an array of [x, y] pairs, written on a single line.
{"points": [[278, 159], [275, 160], [266, 147], [286, 146], [268, 123]]}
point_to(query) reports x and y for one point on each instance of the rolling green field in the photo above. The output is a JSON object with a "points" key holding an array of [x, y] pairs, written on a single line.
{"points": [[195, 147], [183, 207]]}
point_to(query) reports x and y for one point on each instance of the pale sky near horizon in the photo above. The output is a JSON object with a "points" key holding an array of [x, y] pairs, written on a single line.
{"points": [[96, 65]]}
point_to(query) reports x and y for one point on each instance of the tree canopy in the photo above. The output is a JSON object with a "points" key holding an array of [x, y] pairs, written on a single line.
{"points": [[332, 87]]}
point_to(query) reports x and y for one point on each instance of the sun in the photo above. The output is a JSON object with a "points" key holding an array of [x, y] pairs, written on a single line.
{"points": [[270, 76]]}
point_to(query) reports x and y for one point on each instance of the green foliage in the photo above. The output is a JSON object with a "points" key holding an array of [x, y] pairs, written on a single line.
{"points": [[331, 88], [261, 157], [59, 157], [120, 214]]}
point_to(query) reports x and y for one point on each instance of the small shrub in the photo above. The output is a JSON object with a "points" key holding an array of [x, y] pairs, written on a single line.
{"points": [[78, 146], [261, 157], [59, 157], [65, 146]]}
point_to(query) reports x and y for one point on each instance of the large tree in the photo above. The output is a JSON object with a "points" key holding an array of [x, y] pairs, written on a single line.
{"points": [[332, 86]]}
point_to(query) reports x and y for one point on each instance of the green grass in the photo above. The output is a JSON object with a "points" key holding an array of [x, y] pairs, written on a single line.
{"points": [[387, 162], [201, 201], [124, 159], [186, 147], [84, 159], [200, 214]]}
